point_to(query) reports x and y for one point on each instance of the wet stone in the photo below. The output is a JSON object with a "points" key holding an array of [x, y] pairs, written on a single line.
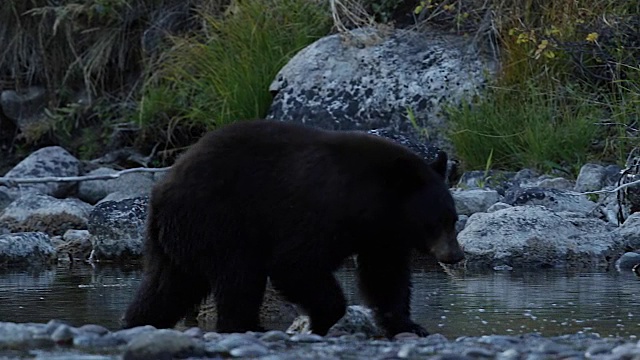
{"points": [[598, 349], [477, 352], [552, 348], [212, 336], [129, 334], [73, 357], [253, 350], [90, 341], [274, 335], [237, 340], [511, 354], [63, 335], [451, 357], [307, 338], [163, 344], [194, 332], [627, 350], [52, 325], [405, 336], [94, 329], [406, 351]]}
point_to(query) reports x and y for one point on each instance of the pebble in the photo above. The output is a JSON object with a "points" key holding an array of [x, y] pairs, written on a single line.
{"points": [[307, 338], [253, 350], [62, 335], [274, 335], [58, 340], [163, 344]]}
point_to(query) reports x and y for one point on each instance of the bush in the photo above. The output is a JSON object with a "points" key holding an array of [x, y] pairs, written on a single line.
{"points": [[223, 75], [524, 128], [569, 85]]}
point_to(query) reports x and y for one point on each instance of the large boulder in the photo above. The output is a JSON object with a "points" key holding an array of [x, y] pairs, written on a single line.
{"points": [[37, 212], [118, 228], [535, 236], [52, 161], [629, 232], [369, 78], [26, 249]]}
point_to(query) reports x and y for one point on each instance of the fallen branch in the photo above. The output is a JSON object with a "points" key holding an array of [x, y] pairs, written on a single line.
{"points": [[13, 182], [636, 182]]}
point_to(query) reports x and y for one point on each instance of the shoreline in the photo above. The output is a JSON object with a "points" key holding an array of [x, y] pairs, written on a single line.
{"points": [[58, 340]]}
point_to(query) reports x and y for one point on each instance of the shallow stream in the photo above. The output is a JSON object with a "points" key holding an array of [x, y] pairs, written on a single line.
{"points": [[551, 302]]}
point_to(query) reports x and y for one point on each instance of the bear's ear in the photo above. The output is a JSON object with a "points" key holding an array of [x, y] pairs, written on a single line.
{"points": [[440, 164]]}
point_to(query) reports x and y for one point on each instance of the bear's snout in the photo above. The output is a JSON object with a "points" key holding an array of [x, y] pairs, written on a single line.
{"points": [[447, 249]]}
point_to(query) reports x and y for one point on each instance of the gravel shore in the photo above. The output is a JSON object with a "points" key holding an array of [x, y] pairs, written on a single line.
{"points": [[57, 340]]}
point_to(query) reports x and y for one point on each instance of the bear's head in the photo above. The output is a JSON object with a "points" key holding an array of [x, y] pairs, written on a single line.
{"points": [[429, 210]]}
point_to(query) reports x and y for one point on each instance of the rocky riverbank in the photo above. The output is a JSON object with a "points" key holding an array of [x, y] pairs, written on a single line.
{"points": [[56, 340]]}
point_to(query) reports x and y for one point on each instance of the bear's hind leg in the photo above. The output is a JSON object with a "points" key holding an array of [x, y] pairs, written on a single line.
{"points": [[238, 301], [165, 295], [318, 293]]}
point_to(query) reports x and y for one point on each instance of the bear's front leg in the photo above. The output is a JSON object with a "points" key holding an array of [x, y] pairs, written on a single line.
{"points": [[385, 283]]}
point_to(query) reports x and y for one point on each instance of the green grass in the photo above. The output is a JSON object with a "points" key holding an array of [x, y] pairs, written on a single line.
{"points": [[525, 128], [207, 81], [568, 90]]}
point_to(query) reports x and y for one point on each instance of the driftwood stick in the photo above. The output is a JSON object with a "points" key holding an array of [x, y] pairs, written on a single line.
{"points": [[636, 182], [13, 182]]}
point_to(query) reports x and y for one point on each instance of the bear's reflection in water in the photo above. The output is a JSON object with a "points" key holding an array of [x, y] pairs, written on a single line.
{"points": [[551, 302]]}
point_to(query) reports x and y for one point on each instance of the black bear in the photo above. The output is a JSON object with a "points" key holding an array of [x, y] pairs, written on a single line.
{"points": [[266, 199]]}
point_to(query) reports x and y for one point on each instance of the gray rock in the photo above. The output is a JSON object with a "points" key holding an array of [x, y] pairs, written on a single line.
{"points": [[250, 351], [629, 231], [535, 236], [127, 335], [306, 338], [598, 349], [26, 249], [235, 341], [118, 228], [24, 108], [556, 183], [626, 351], [21, 337], [37, 212], [553, 199], [118, 196], [75, 245], [498, 206], [133, 184], [92, 341], [52, 161], [370, 79], [422, 148], [93, 329], [497, 180], [591, 178], [5, 198], [357, 319], [475, 200], [63, 335], [627, 261], [461, 223], [162, 344], [274, 335], [76, 235]]}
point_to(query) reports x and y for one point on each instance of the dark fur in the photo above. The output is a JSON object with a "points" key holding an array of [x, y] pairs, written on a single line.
{"points": [[269, 199]]}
